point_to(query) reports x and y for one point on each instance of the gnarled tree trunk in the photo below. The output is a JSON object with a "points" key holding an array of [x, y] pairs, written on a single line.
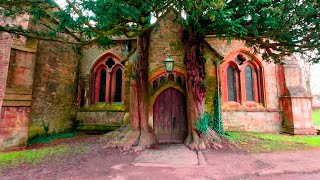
{"points": [[137, 136], [196, 89]]}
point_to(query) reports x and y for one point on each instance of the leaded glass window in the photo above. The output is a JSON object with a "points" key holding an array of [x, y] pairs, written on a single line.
{"points": [[171, 77], [179, 79], [249, 84], [231, 84], [155, 84], [118, 93], [102, 90], [162, 80]]}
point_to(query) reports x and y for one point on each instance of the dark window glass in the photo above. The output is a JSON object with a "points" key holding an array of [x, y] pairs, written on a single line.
{"points": [[231, 84], [155, 84], [162, 79], [118, 92], [249, 84], [83, 91], [179, 79], [238, 60], [102, 91], [110, 63], [171, 77]]}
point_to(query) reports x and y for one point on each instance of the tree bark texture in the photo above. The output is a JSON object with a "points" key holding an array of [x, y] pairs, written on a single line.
{"points": [[195, 85], [137, 136]]}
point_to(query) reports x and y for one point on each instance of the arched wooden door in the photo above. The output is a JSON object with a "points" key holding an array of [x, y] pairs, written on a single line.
{"points": [[170, 117]]}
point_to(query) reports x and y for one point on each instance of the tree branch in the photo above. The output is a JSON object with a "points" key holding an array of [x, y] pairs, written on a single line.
{"points": [[85, 21]]}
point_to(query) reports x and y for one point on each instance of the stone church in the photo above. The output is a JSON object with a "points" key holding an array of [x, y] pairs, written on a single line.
{"points": [[46, 87]]}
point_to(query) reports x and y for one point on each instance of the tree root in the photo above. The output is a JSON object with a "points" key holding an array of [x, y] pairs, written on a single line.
{"points": [[201, 141], [128, 139]]}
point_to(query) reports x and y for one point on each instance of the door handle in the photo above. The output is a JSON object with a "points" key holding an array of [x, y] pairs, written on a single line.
{"points": [[174, 122]]}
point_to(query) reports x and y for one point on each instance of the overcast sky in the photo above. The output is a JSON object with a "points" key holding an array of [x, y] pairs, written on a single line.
{"points": [[315, 79]]}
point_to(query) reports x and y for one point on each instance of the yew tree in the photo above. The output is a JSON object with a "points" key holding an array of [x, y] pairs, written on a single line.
{"points": [[96, 22], [275, 28]]}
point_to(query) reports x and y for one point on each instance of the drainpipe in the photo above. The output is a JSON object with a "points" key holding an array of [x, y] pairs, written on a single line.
{"points": [[218, 111]]}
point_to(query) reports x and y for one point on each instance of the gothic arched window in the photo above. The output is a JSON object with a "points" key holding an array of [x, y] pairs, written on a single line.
{"points": [[107, 75], [242, 83]]}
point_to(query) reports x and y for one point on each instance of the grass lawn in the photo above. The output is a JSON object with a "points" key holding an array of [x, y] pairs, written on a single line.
{"points": [[264, 142], [37, 156], [316, 117]]}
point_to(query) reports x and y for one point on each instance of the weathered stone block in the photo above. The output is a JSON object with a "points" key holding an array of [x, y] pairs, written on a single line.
{"points": [[14, 127]]}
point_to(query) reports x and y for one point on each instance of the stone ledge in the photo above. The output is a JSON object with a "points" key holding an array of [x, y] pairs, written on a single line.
{"points": [[98, 127], [301, 131], [307, 97], [17, 103]]}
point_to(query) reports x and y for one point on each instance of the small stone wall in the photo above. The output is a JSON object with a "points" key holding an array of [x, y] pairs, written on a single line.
{"points": [[297, 115], [100, 120], [252, 121]]}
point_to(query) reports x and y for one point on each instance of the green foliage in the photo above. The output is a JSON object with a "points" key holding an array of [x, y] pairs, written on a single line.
{"points": [[264, 142], [40, 139], [37, 156], [215, 122], [202, 123], [82, 22], [281, 28]]}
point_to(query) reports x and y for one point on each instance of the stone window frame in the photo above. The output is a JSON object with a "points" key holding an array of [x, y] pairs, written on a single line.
{"points": [[240, 81], [110, 80]]}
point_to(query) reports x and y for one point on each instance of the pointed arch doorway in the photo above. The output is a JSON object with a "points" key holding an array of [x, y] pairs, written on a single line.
{"points": [[170, 122]]}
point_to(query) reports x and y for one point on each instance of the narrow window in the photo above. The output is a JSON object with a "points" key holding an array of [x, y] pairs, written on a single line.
{"points": [[102, 90], [155, 84], [231, 84], [179, 80], [162, 80], [171, 77], [82, 96], [118, 93], [249, 84]]}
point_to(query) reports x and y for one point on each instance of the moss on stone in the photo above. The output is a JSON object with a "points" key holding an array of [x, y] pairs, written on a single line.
{"points": [[35, 130], [115, 107], [211, 90], [99, 127]]}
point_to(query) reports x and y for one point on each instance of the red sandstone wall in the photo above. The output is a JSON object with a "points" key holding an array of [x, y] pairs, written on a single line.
{"points": [[14, 127], [5, 49], [17, 100]]}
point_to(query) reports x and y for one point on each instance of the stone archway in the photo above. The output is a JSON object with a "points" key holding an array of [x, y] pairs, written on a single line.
{"points": [[170, 122]]}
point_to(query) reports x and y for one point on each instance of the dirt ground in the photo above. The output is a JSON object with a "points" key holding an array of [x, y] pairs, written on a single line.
{"points": [[107, 163]]}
